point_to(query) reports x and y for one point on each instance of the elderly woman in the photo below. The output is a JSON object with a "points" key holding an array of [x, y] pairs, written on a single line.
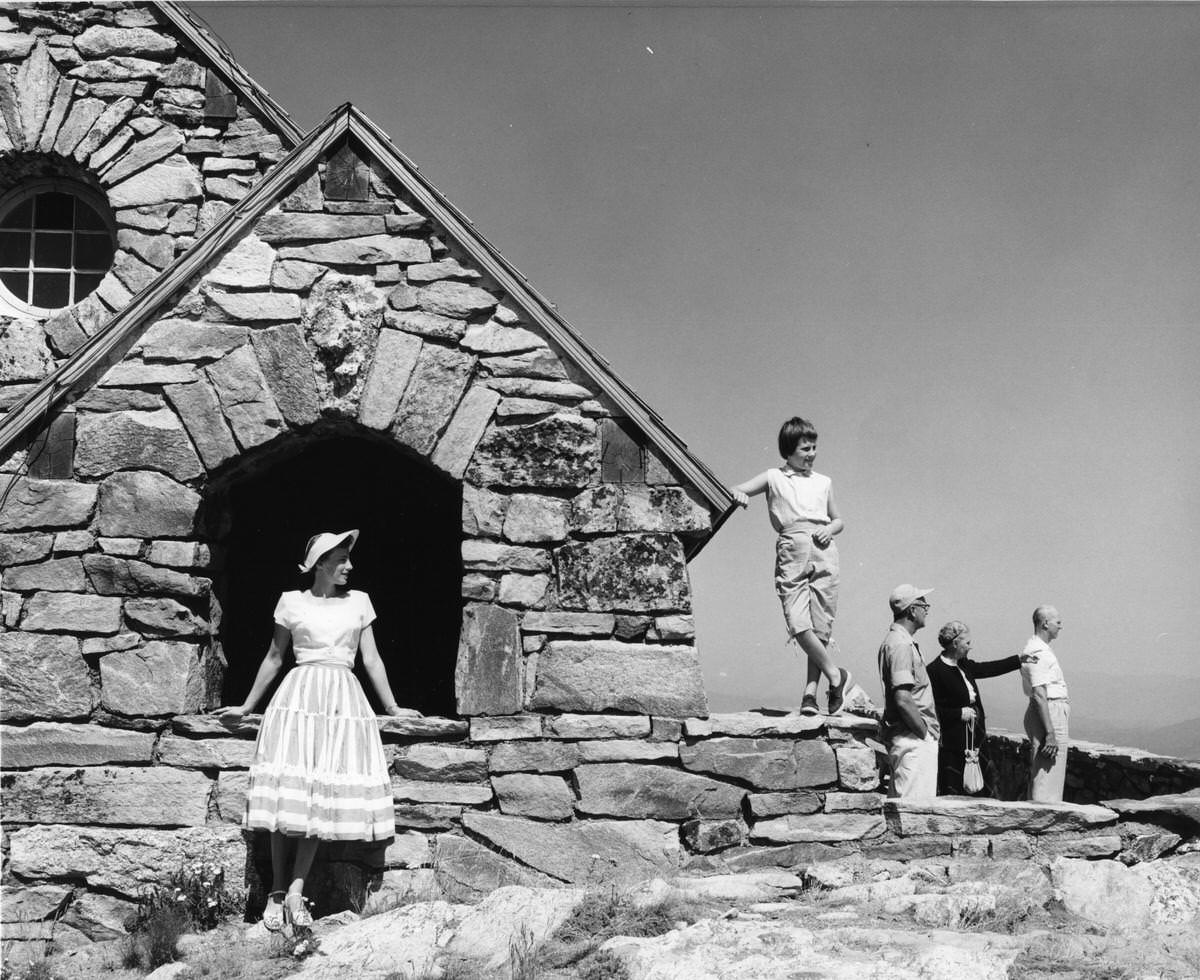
{"points": [[319, 771], [959, 707]]}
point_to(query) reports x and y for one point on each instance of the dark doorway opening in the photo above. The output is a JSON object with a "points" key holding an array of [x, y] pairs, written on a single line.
{"points": [[408, 558]]}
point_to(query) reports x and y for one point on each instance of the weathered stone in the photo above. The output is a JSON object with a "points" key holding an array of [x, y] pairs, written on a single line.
{"points": [[123, 860], [205, 753], [208, 726], [105, 42], [566, 391], [493, 338], [292, 227], [487, 678], [635, 572], [456, 299], [423, 324], [533, 756], [524, 407], [1147, 846], [31, 903], [1076, 846], [598, 726], [229, 796], [360, 250], [559, 451], [769, 764], [145, 504], [227, 188], [844, 802], [179, 554], [131, 440], [42, 677], [1183, 808], [627, 750], [479, 587], [70, 612], [73, 542], [154, 250], [13, 47], [248, 404], [1127, 899], [246, 266], [529, 591], [449, 763], [819, 827], [674, 629], [64, 334], [257, 307], [187, 340], [779, 804], [427, 816], [483, 511], [537, 796], [99, 917], [156, 796], [752, 857], [568, 623], [422, 727], [959, 815], [287, 367], [422, 791], [857, 767], [200, 413], [45, 503], [142, 154], [628, 790], [131, 374], [295, 276], [79, 119], [539, 363], [503, 728], [666, 729], [438, 382], [341, 324], [492, 556], [16, 549], [23, 352], [707, 836], [599, 675], [616, 850], [95, 645], [56, 575], [751, 724], [173, 179], [161, 678], [395, 358], [163, 617], [119, 400], [445, 269], [462, 435], [535, 518], [469, 871]]}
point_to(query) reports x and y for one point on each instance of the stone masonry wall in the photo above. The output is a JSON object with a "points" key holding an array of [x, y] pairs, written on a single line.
{"points": [[94, 813], [109, 96]]}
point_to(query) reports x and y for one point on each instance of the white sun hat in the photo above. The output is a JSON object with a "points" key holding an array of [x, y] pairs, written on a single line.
{"points": [[324, 542]]}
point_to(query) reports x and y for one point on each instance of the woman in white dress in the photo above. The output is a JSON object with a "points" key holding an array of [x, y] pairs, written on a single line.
{"points": [[319, 772]]}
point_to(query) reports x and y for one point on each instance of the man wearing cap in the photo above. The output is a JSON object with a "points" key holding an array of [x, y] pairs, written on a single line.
{"points": [[1048, 711], [910, 723]]}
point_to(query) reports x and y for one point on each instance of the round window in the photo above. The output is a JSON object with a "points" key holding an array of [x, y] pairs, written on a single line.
{"points": [[56, 244]]}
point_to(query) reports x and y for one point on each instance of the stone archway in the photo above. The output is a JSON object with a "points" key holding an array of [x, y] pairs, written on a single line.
{"points": [[408, 558]]}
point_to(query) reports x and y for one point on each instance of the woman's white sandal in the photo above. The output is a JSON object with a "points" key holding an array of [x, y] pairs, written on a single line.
{"points": [[298, 913], [273, 915]]}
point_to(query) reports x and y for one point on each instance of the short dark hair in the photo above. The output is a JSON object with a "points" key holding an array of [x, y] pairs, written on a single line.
{"points": [[791, 432]]}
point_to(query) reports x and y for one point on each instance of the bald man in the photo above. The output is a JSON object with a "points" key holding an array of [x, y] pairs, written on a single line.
{"points": [[1049, 709]]}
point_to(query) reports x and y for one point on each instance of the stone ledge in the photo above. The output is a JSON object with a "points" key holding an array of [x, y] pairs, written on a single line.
{"points": [[754, 724], [1182, 807], [951, 815]]}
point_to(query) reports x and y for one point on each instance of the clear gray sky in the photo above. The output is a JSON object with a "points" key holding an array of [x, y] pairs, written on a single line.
{"points": [[963, 239]]}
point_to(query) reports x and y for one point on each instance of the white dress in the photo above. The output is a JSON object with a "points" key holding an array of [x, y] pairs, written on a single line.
{"points": [[319, 769]]}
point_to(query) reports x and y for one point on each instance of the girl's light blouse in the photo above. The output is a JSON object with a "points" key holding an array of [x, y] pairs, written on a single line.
{"points": [[325, 630], [792, 497]]}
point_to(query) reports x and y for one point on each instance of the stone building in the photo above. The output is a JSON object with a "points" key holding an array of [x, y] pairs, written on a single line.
{"points": [[219, 334]]}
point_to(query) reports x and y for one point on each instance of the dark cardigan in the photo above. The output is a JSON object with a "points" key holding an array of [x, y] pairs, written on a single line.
{"points": [[950, 696]]}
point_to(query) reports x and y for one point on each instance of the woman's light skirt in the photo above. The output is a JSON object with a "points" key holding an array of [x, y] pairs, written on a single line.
{"points": [[319, 768]]}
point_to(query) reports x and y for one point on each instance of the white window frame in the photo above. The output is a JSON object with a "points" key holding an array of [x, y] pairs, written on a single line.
{"points": [[14, 305]]}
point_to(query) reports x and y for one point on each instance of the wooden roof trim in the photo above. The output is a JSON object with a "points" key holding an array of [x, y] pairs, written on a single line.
{"points": [[107, 346], [212, 47], [379, 145]]}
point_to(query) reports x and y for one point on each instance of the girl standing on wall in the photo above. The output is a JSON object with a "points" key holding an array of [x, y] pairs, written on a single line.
{"points": [[319, 772]]}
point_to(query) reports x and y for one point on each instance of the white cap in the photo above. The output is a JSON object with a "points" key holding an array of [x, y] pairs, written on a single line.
{"points": [[904, 596], [326, 541]]}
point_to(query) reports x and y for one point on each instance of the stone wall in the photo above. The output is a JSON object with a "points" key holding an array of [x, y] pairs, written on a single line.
{"points": [[1095, 772], [94, 813], [110, 96]]}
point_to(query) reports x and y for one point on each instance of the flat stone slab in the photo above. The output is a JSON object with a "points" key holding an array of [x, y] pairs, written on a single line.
{"points": [[629, 790], [751, 724], [47, 743], [617, 850], [818, 828], [135, 795], [961, 815], [1173, 806]]}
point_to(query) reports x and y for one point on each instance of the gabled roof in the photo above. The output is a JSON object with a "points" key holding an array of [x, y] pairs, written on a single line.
{"points": [[110, 344], [215, 50]]}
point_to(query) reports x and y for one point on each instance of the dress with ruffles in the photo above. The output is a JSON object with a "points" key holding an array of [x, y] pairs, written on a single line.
{"points": [[319, 769]]}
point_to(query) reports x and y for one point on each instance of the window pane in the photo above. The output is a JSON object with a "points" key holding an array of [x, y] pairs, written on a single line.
{"points": [[21, 216], [93, 251], [52, 249], [85, 285], [14, 248], [54, 210], [87, 218], [16, 283], [51, 289]]}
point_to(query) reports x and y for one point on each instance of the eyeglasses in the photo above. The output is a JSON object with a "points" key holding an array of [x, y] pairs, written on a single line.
{"points": [[922, 603]]}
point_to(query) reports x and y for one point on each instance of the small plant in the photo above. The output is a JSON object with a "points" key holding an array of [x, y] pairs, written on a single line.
{"points": [[522, 955], [603, 965], [32, 970]]}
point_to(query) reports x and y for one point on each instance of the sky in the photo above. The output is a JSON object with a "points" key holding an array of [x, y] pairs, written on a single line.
{"points": [[962, 239]]}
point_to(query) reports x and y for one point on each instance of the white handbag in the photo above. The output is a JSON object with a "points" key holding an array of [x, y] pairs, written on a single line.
{"points": [[972, 773]]}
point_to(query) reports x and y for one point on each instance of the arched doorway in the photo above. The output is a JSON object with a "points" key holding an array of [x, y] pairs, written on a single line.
{"points": [[408, 558]]}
